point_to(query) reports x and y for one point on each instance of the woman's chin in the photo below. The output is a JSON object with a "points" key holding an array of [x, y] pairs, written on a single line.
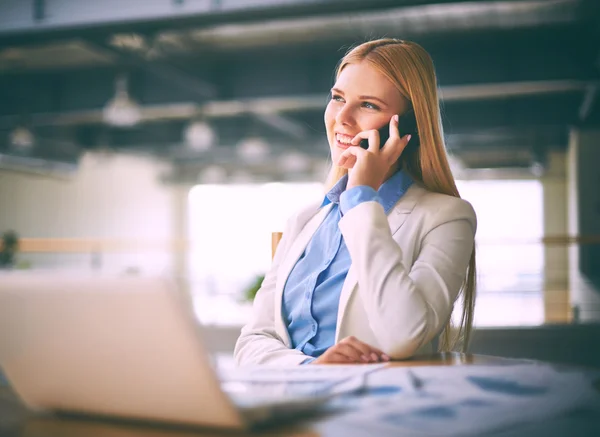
{"points": [[335, 155]]}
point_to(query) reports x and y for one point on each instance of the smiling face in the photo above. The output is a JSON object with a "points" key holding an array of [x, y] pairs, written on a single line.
{"points": [[361, 99]]}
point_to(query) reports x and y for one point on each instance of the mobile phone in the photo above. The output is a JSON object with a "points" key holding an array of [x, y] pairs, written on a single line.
{"points": [[384, 135], [407, 124]]}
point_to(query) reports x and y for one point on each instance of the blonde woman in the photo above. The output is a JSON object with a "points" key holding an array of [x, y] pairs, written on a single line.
{"points": [[372, 273]]}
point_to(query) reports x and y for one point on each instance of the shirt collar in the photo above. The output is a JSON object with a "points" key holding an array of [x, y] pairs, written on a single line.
{"points": [[393, 189], [388, 194], [333, 195]]}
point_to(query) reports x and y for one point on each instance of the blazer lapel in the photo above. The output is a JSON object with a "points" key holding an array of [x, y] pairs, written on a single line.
{"points": [[287, 264], [396, 218]]}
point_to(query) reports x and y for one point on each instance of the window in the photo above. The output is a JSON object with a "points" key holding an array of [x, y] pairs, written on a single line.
{"points": [[510, 257], [230, 228]]}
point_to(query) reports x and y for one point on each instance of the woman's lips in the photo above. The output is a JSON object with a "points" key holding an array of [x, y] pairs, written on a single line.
{"points": [[343, 145]]}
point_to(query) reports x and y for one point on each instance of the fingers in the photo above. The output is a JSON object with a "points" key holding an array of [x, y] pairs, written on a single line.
{"points": [[335, 355], [381, 157], [371, 135], [364, 349], [367, 352], [340, 358], [394, 147], [350, 352], [394, 131], [348, 158]]}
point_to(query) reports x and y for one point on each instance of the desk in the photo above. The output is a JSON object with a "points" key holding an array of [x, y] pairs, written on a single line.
{"points": [[454, 359], [16, 421]]}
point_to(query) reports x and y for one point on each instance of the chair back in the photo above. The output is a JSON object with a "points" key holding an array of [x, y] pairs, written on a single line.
{"points": [[275, 239]]}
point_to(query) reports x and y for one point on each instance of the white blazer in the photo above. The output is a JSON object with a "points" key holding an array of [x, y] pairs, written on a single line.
{"points": [[407, 270]]}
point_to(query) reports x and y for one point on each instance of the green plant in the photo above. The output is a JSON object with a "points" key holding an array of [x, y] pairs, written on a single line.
{"points": [[250, 293], [10, 245]]}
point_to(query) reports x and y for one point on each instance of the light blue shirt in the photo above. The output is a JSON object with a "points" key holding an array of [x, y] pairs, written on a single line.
{"points": [[312, 291]]}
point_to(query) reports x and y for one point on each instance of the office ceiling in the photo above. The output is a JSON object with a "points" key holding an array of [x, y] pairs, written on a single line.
{"points": [[514, 76]]}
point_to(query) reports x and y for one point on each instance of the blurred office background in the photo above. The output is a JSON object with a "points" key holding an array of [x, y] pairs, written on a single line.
{"points": [[173, 136]]}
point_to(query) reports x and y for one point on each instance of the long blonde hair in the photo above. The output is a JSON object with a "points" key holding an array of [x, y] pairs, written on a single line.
{"points": [[410, 68]]}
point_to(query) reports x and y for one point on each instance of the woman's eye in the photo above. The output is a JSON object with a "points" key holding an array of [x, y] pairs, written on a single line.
{"points": [[337, 98], [370, 106]]}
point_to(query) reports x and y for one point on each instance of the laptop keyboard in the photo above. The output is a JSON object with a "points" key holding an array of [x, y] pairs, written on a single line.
{"points": [[248, 394], [259, 385], [314, 373]]}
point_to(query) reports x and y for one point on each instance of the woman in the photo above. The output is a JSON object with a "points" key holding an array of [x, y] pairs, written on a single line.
{"points": [[372, 273]]}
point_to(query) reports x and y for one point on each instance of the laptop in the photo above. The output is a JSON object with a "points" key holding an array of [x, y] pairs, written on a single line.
{"points": [[131, 347]]}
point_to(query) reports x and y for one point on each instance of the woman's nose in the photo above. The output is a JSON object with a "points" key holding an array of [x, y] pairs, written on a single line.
{"points": [[344, 116]]}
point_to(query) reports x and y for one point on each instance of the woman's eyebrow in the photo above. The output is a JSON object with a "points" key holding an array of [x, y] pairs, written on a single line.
{"points": [[372, 98], [339, 91]]}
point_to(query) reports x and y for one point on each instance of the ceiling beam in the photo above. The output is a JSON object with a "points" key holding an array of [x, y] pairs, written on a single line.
{"points": [[493, 57], [265, 107], [282, 123], [199, 88], [400, 21], [512, 89], [22, 22]]}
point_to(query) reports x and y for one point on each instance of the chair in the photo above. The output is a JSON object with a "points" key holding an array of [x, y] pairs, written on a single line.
{"points": [[275, 239]]}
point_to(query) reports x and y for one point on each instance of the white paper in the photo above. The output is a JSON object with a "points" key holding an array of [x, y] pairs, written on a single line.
{"points": [[249, 386], [460, 401]]}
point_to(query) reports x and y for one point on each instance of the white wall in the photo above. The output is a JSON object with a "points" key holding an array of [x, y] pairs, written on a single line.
{"points": [[111, 197]]}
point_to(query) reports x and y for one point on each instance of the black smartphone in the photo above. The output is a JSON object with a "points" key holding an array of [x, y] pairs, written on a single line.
{"points": [[407, 124]]}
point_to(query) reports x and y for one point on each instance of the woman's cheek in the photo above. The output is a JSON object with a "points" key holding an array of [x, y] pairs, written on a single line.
{"points": [[329, 122]]}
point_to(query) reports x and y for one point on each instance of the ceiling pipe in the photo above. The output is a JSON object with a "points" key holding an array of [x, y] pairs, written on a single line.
{"points": [[276, 105]]}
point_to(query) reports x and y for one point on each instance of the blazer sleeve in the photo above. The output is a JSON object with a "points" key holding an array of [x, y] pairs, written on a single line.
{"points": [[407, 306], [259, 342]]}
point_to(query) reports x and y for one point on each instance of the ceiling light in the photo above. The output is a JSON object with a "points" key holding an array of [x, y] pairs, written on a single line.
{"points": [[537, 169], [121, 110], [129, 41], [253, 149], [199, 135], [21, 139]]}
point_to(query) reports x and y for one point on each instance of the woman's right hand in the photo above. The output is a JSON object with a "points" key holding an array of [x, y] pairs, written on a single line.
{"points": [[351, 350]]}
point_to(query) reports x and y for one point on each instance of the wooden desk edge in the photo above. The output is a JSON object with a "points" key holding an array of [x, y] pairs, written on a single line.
{"points": [[454, 359]]}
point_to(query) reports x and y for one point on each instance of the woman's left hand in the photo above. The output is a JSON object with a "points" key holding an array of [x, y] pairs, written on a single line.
{"points": [[369, 167]]}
